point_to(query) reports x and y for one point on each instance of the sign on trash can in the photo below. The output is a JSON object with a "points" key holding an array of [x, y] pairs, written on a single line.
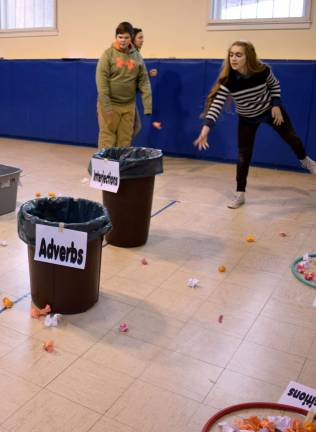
{"points": [[105, 175], [68, 233], [60, 246], [299, 395], [130, 207]]}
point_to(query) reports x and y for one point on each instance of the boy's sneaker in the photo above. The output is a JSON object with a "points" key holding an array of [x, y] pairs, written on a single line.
{"points": [[237, 201], [309, 164]]}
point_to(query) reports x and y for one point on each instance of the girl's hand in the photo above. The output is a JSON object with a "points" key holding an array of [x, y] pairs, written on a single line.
{"points": [[277, 116], [201, 141]]}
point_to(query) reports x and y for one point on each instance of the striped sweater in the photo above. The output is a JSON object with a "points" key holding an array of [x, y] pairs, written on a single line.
{"points": [[253, 95]]}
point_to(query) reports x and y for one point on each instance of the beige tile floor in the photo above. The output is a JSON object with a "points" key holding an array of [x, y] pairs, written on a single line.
{"points": [[178, 364]]}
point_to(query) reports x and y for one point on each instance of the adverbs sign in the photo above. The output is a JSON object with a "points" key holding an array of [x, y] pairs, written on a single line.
{"points": [[64, 247], [105, 175], [299, 395]]}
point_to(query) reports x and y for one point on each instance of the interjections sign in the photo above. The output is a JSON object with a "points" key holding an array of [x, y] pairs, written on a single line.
{"points": [[105, 174], [299, 395], [61, 246]]}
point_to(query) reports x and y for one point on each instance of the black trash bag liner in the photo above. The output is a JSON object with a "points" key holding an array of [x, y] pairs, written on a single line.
{"points": [[134, 162], [9, 170], [76, 214]]}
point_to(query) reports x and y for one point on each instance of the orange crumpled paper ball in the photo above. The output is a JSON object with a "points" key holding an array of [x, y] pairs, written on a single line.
{"points": [[48, 346], [250, 239], [36, 313], [7, 303], [255, 423]]}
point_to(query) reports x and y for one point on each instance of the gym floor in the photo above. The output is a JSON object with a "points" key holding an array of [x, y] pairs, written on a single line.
{"points": [[240, 336]]}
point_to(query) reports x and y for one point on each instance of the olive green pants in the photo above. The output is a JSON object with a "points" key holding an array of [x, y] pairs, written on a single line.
{"points": [[116, 129], [137, 123]]}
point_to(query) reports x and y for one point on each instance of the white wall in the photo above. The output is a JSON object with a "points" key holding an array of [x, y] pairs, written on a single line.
{"points": [[173, 28]]}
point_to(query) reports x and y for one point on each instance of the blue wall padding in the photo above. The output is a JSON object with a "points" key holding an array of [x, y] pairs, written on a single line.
{"points": [[44, 100], [179, 96], [296, 99], [87, 123], [5, 98], [311, 133], [148, 136], [55, 100]]}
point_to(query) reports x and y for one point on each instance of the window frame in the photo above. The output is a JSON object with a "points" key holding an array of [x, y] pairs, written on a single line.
{"points": [[260, 23], [33, 31]]}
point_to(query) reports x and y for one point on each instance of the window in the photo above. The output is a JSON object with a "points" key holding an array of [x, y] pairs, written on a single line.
{"points": [[236, 14], [27, 16]]}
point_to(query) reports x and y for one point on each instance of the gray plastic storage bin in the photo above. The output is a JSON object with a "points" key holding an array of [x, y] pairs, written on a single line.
{"points": [[9, 179]]}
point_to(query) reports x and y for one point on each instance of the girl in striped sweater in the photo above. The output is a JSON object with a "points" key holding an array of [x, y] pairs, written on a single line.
{"points": [[256, 93]]}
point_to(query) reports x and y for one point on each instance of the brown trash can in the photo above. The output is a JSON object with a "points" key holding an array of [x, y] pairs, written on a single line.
{"points": [[67, 290], [130, 208]]}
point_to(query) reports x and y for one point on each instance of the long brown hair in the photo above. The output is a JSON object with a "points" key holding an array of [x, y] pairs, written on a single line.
{"points": [[252, 62]]}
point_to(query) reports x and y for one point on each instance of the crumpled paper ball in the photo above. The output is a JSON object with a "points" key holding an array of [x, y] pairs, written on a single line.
{"points": [[250, 239], [309, 276], [7, 303], [52, 320], [193, 283], [123, 327], [48, 346], [37, 313]]}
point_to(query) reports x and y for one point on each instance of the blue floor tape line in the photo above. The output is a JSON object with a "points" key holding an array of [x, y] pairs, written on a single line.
{"points": [[16, 301], [164, 208]]}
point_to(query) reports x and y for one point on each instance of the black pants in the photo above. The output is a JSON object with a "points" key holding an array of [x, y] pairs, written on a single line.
{"points": [[246, 138]]}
